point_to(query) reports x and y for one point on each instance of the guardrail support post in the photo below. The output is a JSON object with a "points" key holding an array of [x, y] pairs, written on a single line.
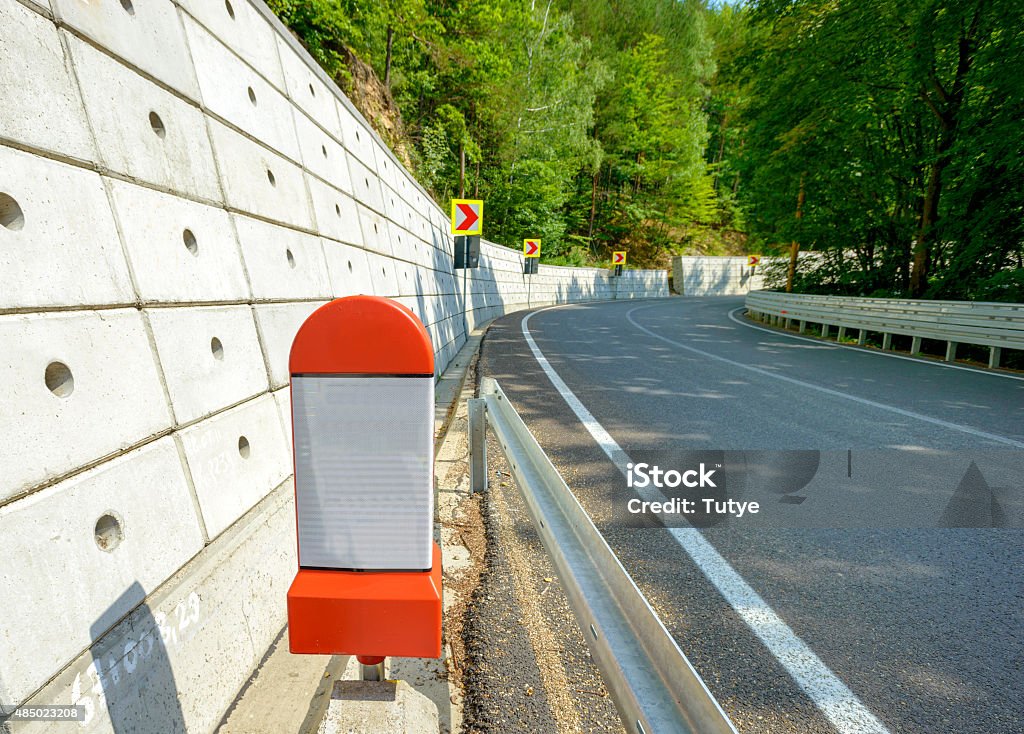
{"points": [[886, 342], [994, 353], [951, 351], [787, 323], [803, 326], [825, 329], [862, 337], [842, 334], [477, 444], [915, 345]]}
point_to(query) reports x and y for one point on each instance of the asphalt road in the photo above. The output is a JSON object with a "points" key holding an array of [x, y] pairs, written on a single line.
{"points": [[887, 549]]}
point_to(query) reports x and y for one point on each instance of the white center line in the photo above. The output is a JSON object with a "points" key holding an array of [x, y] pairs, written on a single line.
{"points": [[832, 697]]}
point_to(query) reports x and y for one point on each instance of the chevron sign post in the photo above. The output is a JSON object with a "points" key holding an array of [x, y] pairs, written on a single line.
{"points": [[619, 261], [531, 256], [467, 216]]}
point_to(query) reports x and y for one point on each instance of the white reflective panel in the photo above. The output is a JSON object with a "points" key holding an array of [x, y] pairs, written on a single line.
{"points": [[364, 471]]}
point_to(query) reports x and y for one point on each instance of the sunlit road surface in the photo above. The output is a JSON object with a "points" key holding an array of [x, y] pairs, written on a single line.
{"points": [[879, 587]]}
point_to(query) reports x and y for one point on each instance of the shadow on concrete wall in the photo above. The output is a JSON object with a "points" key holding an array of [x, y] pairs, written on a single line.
{"points": [[133, 681]]}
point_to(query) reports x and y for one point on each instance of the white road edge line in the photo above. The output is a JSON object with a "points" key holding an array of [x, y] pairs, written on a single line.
{"points": [[877, 353], [832, 697], [829, 391]]}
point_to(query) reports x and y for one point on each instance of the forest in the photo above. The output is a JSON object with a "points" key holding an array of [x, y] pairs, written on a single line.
{"points": [[883, 137]]}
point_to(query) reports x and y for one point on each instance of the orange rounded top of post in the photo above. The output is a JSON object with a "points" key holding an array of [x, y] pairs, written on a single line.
{"points": [[366, 335]]}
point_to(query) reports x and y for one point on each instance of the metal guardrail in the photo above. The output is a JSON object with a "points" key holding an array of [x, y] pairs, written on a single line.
{"points": [[997, 326], [653, 685]]}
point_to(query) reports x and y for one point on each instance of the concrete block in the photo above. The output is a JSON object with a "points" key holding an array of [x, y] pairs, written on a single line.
{"points": [[376, 232], [65, 569], [77, 386], [388, 170], [322, 154], [403, 245], [242, 29], [180, 251], [177, 661], [307, 91], [135, 31], [357, 139], [38, 95], [235, 92], [58, 242], [211, 358], [363, 707], [365, 185], [257, 181], [143, 131], [337, 214], [395, 207], [42, 5], [418, 225], [349, 270], [236, 459], [410, 190], [278, 323], [283, 398], [283, 263], [385, 278]]}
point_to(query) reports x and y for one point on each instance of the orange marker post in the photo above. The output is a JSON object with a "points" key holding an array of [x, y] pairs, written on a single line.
{"points": [[369, 577]]}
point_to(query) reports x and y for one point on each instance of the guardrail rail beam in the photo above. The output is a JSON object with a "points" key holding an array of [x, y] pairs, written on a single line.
{"points": [[653, 685]]}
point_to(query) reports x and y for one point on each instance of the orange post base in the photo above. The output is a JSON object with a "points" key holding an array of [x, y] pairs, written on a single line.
{"points": [[395, 614]]}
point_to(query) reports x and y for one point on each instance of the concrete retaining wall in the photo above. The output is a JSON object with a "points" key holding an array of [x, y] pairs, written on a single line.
{"points": [[714, 276], [180, 186]]}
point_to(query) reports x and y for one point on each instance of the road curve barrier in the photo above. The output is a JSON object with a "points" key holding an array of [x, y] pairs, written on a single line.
{"points": [[653, 685], [997, 326]]}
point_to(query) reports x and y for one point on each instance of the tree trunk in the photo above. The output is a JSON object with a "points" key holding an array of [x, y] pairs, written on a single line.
{"points": [[593, 203], [946, 106], [794, 248], [387, 58], [462, 170]]}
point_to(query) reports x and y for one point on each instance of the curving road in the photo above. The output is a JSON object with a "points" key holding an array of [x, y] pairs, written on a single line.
{"points": [[879, 586]]}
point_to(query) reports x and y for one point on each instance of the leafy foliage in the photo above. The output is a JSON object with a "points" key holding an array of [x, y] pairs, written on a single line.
{"points": [[904, 124]]}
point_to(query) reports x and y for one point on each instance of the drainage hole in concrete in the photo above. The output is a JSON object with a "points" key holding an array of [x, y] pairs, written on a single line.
{"points": [[128, 7], [157, 124], [108, 532], [252, 96], [59, 379], [231, 10], [243, 447], [311, 90], [291, 258], [337, 209], [11, 215], [350, 266], [190, 242], [323, 149], [270, 177], [217, 348]]}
